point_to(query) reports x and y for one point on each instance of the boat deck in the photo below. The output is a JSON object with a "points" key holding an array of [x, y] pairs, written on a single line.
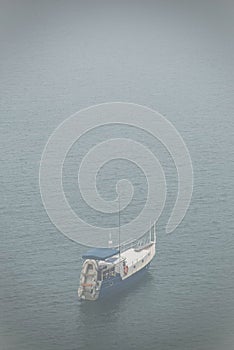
{"points": [[130, 256], [133, 256]]}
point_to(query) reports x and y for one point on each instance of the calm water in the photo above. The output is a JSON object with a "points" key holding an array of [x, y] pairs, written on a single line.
{"points": [[57, 60]]}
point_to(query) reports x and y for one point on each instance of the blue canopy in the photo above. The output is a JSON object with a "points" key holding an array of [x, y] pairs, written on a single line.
{"points": [[100, 253]]}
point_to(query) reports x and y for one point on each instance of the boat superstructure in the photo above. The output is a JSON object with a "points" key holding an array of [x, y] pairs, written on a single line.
{"points": [[107, 271]]}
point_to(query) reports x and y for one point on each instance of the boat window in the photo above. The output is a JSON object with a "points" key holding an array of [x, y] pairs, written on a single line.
{"points": [[90, 266]]}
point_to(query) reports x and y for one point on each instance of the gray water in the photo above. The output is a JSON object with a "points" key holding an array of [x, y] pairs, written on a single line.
{"points": [[59, 58]]}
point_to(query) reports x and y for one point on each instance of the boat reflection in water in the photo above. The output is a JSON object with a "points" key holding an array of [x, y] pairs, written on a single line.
{"points": [[109, 271]]}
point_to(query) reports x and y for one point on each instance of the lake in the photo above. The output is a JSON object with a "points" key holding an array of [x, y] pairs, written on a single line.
{"points": [[58, 58]]}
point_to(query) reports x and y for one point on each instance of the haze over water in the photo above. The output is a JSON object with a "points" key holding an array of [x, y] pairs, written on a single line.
{"points": [[60, 57]]}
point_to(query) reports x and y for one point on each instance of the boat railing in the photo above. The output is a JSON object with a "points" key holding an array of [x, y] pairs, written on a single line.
{"points": [[144, 241]]}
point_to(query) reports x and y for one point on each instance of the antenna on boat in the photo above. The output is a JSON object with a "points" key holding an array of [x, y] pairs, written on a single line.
{"points": [[154, 232]]}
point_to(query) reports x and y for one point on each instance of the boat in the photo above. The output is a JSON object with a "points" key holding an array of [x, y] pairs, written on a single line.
{"points": [[109, 271]]}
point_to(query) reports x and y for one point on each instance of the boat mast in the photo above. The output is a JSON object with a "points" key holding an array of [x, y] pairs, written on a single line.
{"points": [[119, 228]]}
